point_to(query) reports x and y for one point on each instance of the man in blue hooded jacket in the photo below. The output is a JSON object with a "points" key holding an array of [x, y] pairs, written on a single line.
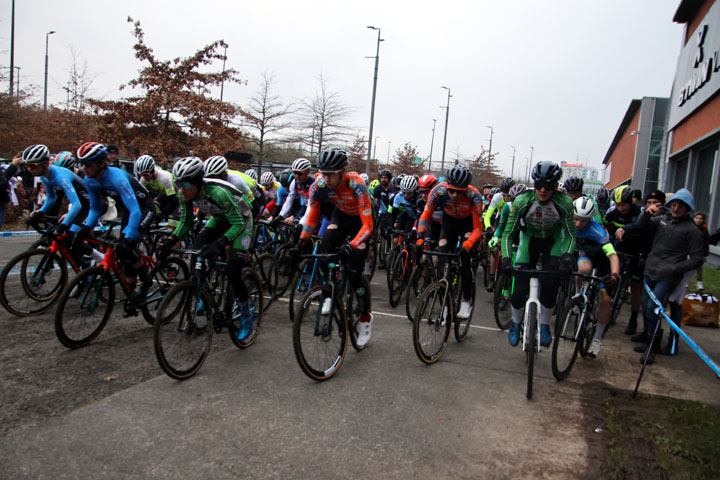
{"points": [[677, 248]]}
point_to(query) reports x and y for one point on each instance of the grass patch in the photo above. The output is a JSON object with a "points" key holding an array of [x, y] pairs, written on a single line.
{"points": [[711, 281], [660, 437]]}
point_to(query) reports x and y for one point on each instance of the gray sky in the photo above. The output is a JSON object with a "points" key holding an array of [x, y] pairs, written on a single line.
{"points": [[556, 75]]}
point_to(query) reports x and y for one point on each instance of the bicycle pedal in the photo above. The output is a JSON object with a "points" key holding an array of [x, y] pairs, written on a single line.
{"points": [[129, 311]]}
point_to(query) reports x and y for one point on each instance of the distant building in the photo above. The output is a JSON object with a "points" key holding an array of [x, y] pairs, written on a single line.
{"points": [[578, 170]]}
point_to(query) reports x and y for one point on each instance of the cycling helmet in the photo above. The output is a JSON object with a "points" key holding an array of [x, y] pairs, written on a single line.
{"points": [[459, 176], [409, 184], [374, 184], [215, 166], [92, 151], [267, 178], [332, 159], [286, 177], [301, 165], [622, 194], [365, 178], [188, 169], [546, 172], [603, 198], [506, 184], [64, 159], [427, 181], [251, 173], [584, 207], [561, 188], [144, 164], [396, 180], [494, 191], [517, 189], [384, 172], [574, 184], [36, 154], [487, 185]]}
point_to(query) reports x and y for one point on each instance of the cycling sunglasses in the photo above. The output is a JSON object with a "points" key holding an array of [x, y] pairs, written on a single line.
{"points": [[546, 185], [184, 185], [456, 191], [87, 163]]}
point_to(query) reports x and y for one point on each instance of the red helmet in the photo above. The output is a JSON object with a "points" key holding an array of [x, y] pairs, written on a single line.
{"points": [[427, 181], [92, 151]]}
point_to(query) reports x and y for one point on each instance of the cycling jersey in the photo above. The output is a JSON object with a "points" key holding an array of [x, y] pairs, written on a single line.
{"points": [[226, 205], [61, 179], [350, 197], [592, 240], [238, 181], [162, 189], [271, 191], [255, 189], [504, 214], [468, 204], [403, 205], [631, 243], [497, 202], [131, 199], [385, 196], [301, 190]]}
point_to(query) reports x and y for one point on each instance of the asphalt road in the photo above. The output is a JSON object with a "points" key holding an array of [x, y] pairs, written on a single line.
{"points": [[254, 414]]}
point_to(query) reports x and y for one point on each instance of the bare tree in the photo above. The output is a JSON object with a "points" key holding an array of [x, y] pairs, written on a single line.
{"points": [[79, 85], [268, 116], [325, 115]]}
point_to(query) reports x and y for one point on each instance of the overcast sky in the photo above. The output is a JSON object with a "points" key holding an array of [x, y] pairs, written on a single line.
{"points": [[555, 75]]}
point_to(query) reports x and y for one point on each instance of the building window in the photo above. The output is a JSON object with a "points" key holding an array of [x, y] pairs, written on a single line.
{"points": [[705, 178], [679, 174]]}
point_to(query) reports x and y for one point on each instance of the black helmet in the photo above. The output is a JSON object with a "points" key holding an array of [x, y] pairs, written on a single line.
{"points": [[286, 177], [546, 172], [622, 194], [574, 184], [507, 184], [603, 198], [384, 172], [332, 159], [459, 176], [487, 185]]}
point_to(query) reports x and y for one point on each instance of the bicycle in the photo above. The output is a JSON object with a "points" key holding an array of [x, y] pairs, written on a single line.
{"points": [[431, 325], [308, 275], [92, 292], [575, 332], [403, 264], [531, 324], [619, 292], [193, 310], [422, 276], [264, 263], [320, 341]]}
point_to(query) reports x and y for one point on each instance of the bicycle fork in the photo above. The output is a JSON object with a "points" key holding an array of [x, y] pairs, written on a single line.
{"points": [[533, 299]]}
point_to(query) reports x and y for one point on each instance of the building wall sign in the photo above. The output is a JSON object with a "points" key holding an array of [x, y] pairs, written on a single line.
{"points": [[698, 72]]}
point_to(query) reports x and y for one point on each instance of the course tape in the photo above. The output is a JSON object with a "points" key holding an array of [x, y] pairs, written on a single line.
{"points": [[705, 358], [25, 233]]}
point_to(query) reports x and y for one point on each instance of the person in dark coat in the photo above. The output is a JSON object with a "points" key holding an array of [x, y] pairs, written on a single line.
{"points": [[700, 220]]}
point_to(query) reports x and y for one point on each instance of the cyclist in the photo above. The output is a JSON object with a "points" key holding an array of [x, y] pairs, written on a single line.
{"points": [[426, 184], [159, 183], [227, 233], [351, 217], [543, 218], [365, 178], [515, 191], [270, 190], [299, 188], [602, 199], [134, 205], [574, 189], [284, 179], [65, 159], [486, 194], [461, 224], [57, 180], [216, 167], [595, 251], [624, 213], [385, 190], [402, 212], [490, 218]]}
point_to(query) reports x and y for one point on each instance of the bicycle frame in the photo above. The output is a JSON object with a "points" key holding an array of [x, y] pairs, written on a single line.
{"points": [[533, 299]]}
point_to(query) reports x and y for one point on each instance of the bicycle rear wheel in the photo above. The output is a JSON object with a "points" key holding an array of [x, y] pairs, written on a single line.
{"points": [[501, 301], [396, 280], [568, 339], [371, 260], [255, 295], [85, 307], [422, 276], [320, 341], [31, 283], [530, 345], [353, 312], [431, 328], [183, 330], [165, 274], [285, 269]]}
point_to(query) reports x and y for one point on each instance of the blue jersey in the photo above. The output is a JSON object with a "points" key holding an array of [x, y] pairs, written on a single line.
{"points": [[592, 239], [60, 179], [129, 196], [404, 205]]}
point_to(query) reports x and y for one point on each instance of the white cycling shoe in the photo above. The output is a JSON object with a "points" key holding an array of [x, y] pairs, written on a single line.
{"points": [[364, 332], [594, 348], [326, 306], [465, 309]]}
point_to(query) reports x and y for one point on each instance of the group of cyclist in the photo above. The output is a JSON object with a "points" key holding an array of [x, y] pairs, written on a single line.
{"points": [[513, 225]]}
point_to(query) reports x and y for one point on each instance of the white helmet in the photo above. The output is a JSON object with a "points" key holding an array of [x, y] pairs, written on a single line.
{"points": [[144, 164], [365, 178], [267, 179], [408, 184], [215, 166], [251, 173], [301, 165], [584, 207], [188, 169]]}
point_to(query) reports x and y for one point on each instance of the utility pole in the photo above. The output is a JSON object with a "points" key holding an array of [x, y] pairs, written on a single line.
{"points": [[447, 117], [432, 142], [47, 35], [12, 46], [372, 106], [388, 156], [512, 167], [490, 149]]}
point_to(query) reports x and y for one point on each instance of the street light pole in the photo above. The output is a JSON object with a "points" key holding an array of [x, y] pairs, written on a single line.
{"points": [[447, 117], [432, 143], [490, 149], [222, 82], [388, 157], [47, 35], [372, 106], [532, 149], [12, 45], [375, 151], [512, 167]]}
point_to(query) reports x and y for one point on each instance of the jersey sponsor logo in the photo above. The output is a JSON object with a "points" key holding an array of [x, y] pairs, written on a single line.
{"points": [[367, 212], [140, 194]]}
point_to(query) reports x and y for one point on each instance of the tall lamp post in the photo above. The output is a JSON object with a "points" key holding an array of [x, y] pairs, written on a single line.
{"points": [[222, 82], [388, 157], [432, 143], [490, 149], [512, 166], [375, 151], [12, 45], [447, 116], [47, 35], [372, 106]]}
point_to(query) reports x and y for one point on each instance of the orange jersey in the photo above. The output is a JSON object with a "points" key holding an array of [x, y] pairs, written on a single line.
{"points": [[463, 206]]}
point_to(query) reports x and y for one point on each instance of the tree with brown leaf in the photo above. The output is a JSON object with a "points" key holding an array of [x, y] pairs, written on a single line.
{"points": [[403, 158]]}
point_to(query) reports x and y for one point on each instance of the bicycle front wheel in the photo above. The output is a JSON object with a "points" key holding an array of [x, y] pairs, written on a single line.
{"points": [[567, 341], [85, 307], [31, 283], [320, 341], [285, 269], [431, 328], [183, 330], [530, 346], [268, 270], [255, 295], [501, 301], [421, 277], [396, 281]]}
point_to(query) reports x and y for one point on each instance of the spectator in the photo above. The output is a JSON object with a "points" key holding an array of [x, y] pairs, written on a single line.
{"points": [[700, 220], [637, 197], [112, 156], [676, 249]]}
